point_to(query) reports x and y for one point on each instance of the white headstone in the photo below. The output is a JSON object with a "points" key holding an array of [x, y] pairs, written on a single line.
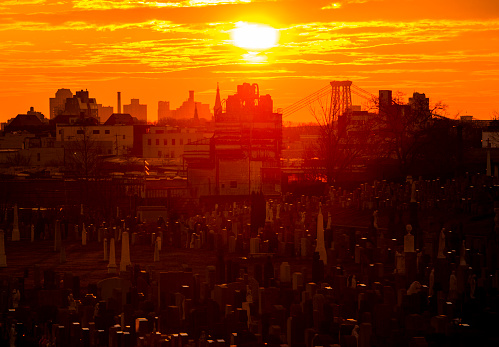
{"points": [[375, 219], [441, 244], [414, 288], [431, 282], [106, 255], [413, 192], [156, 251], [16, 236], [285, 272], [3, 257], [321, 246], [254, 245], [83, 235], [408, 240], [125, 252], [400, 263], [462, 256], [159, 239], [297, 280], [112, 267], [357, 254]]}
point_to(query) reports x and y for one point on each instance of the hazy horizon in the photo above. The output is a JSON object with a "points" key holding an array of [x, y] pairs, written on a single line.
{"points": [[159, 50]]}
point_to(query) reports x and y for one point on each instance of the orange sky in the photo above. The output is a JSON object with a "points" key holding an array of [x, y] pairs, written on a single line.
{"points": [[158, 50]]}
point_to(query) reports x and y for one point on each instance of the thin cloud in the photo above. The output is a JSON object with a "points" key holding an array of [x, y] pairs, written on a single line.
{"points": [[121, 4]]}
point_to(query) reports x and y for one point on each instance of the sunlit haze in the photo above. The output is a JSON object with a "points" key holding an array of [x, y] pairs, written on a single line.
{"points": [[159, 50]]}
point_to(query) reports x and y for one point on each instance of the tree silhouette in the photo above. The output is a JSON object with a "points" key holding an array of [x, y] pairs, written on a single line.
{"points": [[82, 154], [345, 139]]}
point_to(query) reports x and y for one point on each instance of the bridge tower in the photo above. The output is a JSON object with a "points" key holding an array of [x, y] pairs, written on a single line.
{"points": [[341, 98]]}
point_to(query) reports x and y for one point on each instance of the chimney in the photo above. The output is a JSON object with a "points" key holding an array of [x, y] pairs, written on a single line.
{"points": [[119, 102]]}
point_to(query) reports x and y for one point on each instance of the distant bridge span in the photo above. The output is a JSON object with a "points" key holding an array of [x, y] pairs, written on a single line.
{"points": [[338, 92]]}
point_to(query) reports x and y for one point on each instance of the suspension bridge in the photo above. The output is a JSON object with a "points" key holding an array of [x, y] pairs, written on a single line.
{"points": [[338, 94]]}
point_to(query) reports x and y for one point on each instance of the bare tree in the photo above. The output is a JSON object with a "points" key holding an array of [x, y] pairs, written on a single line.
{"points": [[18, 159], [412, 132], [83, 154], [344, 138]]}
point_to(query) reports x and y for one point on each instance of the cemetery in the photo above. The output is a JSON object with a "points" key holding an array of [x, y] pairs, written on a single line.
{"points": [[411, 263]]}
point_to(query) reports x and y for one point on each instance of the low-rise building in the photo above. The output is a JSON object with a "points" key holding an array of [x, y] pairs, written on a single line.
{"points": [[168, 142], [105, 139]]}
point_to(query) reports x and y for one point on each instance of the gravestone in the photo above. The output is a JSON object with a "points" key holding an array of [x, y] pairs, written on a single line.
{"points": [[321, 247], [16, 236], [3, 257], [112, 267]]}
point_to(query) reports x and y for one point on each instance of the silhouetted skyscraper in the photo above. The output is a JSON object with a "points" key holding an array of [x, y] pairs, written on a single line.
{"points": [[218, 104], [163, 110], [135, 109], [186, 110], [57, 104], [420, 104], [105, 111], [81, 106]]}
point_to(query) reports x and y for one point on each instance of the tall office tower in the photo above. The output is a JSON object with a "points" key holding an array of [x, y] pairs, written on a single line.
{"points": [[104, 112], [163, 111], [135, 109], [57, 103], [189, 107]]}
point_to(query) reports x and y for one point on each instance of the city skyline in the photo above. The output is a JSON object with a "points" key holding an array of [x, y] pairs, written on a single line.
{"points": [[159, 50]]}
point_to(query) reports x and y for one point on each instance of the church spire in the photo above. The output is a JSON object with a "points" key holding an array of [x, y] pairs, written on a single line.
{"points": [[196, 116], [218, 104]]}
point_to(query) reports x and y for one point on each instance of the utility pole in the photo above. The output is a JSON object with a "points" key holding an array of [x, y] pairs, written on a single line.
{"points": [[116, 143]]}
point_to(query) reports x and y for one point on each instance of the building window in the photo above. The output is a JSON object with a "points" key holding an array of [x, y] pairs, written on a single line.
{"points": [[97, 132], [159, 154], [233, 184], [37, 156], [189, 141], [157, 142], [172, 154], [60, 131], [123, 137], [80, 132], [165, 142], [107, 132], [173, 142], [149, 142], [160, 131], [181, 142]]}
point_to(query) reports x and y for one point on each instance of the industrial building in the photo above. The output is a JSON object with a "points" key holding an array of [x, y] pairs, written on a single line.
{"points": [[243, 156]]}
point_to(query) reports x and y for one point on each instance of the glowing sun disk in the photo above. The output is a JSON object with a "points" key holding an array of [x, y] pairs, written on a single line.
{"points": [[254, 36]]}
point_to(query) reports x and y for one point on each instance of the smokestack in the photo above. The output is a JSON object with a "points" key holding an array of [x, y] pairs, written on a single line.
{"points": [[119, 102]]}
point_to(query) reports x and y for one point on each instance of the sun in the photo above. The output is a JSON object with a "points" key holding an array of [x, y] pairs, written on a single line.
{"points": [[254, 37]]}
